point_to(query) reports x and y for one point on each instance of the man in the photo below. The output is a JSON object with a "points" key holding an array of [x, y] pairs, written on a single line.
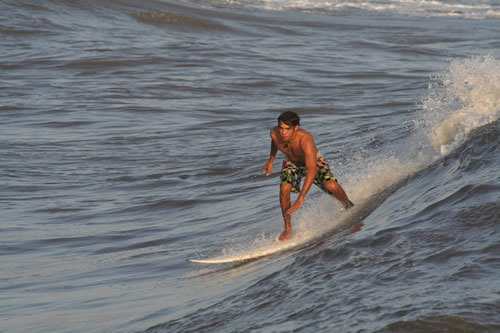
{"points": [[302, 160]]}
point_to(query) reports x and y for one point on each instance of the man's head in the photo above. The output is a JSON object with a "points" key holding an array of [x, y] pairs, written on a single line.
{"points": [[290, 118], [288, 123]]}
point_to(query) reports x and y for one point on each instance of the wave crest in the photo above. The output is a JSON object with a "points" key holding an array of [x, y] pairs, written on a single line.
{"points": [[156, 17], [466, 97]]}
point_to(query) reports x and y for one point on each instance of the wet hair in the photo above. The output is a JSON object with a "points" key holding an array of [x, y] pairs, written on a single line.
{"points": [[290, 118]]}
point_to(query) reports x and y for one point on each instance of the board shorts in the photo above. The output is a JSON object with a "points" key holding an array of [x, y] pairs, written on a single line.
{"points": [[293, 172]]}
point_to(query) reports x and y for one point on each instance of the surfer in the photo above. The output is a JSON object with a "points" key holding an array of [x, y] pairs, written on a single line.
{"points": [[303, 159]]}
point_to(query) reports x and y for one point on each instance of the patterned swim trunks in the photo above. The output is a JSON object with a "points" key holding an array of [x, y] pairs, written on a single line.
{"points": [[293, 172]]}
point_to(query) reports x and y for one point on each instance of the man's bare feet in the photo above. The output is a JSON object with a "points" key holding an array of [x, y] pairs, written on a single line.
{"points": [[348, 204], [285, 235]]}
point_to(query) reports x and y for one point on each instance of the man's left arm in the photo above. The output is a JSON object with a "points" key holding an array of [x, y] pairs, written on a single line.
{"points": [[310, 159]]}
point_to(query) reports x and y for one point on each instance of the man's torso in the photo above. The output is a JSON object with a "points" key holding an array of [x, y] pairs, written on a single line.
{"points": [[294, 149]]}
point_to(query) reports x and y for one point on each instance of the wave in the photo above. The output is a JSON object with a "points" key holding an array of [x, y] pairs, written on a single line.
{"points": [[457, 121], [437, 324], [158, 17], [481, 9], [466, 97], [60, 15], [461, 103], [57, 16], [436, 233]]}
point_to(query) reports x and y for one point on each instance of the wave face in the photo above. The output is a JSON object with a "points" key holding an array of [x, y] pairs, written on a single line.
{"points": [[431, 230], [132, 135]]}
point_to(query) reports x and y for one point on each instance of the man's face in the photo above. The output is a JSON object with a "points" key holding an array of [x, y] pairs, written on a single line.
{"points": [[286, 131]]}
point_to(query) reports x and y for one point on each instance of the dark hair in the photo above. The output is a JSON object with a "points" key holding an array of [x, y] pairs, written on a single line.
{"points": [[290, 118]]}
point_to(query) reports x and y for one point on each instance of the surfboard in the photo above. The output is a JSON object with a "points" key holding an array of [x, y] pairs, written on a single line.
{"points": [[254, 254]]}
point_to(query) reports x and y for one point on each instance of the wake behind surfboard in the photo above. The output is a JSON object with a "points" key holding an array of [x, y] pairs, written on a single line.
{"points": [[310, 229], [307, 230]]}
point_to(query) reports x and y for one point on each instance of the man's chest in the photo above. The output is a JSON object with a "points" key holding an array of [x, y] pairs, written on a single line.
{"points": [[293, 151]]}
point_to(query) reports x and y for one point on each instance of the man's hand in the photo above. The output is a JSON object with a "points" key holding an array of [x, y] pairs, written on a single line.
{"points": [[268, 168], [296, 206]]}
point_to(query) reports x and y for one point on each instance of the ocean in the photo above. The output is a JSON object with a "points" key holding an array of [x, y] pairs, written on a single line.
{"points": [[133, 133]]}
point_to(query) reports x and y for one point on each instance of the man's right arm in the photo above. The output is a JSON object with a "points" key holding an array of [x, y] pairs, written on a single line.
{"points": [[268, 167]]}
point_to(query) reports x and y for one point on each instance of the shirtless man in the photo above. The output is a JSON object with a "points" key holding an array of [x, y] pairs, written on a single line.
{"points": [[302, 160]]}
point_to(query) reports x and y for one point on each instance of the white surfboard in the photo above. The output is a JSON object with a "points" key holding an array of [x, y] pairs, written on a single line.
{"points": [[253, 254]]}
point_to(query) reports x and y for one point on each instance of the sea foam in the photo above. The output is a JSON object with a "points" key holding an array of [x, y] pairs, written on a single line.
{"points": [[466, 97]]}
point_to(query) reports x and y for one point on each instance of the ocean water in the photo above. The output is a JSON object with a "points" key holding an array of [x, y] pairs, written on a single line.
{"points": [[132, 135]]}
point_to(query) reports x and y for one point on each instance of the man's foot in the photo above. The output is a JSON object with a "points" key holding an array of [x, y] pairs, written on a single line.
{"points": [[348, 204], [285, 235]]}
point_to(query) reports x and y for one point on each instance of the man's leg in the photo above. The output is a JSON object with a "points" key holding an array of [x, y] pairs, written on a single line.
{"points": [[285, 190], [338, 193]]}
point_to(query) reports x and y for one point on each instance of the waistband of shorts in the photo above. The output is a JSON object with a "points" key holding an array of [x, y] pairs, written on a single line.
{"points": [[318, 156]]}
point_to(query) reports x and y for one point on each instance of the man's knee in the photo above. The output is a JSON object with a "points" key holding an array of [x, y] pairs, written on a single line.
{"points": [[332, 185], [286, 188]]}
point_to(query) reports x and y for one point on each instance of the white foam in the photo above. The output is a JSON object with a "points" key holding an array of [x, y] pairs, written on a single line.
{"points": [[466, 97], [475, 9]]}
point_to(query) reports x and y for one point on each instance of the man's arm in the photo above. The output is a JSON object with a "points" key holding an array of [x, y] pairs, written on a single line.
{"points": [[310, 158], [268, 167]]}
